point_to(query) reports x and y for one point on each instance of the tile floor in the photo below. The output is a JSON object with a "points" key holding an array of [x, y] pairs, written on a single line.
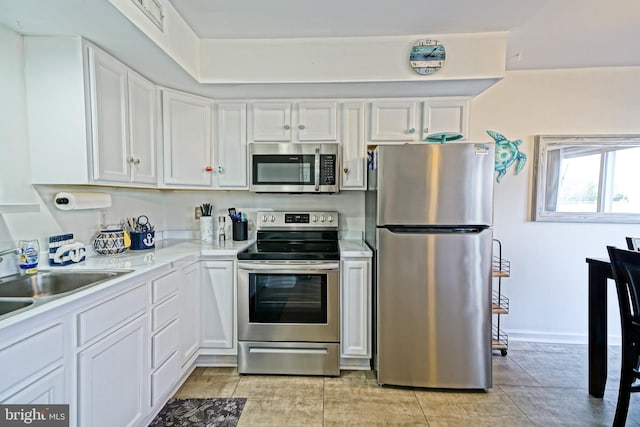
{"points": [[534, 385]]}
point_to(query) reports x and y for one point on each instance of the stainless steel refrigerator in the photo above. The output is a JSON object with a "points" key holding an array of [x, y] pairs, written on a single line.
{"points": [[429, 221]]}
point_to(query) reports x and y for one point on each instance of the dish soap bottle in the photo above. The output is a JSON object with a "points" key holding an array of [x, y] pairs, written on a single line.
{"points": [[29, 256]]}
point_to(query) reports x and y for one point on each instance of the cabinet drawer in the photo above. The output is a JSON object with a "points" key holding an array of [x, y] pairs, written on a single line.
{"points": [[164, 286], [164, 343], [30, 355], [164, 378], [109, 314], [165, 312]]}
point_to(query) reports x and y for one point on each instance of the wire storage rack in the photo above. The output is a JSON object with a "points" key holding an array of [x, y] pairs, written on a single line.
{"points": [[499, 303]]}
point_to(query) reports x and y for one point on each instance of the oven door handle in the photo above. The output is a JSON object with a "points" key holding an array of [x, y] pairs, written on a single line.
{"points": [[317, 169], [282, 267]]}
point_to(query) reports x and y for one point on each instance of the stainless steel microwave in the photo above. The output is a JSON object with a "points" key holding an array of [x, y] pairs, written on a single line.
{"points": [[294, 168]]}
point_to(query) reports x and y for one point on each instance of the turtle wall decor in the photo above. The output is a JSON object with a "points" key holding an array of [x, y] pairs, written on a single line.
{"points": [[507, 153]]}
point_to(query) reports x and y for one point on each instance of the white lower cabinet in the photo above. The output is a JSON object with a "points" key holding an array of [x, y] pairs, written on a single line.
{"points": [[189, 293], [27, 373], [355, 336], [165, 338], [113, 385], [218, 305], [48, 389]]}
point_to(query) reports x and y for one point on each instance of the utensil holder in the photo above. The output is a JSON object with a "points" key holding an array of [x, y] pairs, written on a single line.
{"points": [[240, 230], [142, 241], [206, 229]]}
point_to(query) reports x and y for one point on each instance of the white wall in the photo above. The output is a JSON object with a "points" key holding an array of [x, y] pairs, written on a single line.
{"points": [[548, 285], [14, 152], [180, 206]]}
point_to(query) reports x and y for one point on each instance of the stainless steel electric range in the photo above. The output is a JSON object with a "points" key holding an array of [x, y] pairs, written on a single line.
{"points": [[288, 296]]}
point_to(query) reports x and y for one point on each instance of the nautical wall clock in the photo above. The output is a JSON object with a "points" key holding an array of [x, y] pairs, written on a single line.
{"points": [[427, 56]]}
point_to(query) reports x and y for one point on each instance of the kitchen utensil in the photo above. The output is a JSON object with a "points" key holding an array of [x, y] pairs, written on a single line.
{"points": [[142, 224], [206, 209]]}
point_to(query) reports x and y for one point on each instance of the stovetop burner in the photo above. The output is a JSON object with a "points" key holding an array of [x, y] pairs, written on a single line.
{"points": [[295, 236]]}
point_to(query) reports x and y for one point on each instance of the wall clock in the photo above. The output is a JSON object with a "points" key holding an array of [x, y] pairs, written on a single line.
{"points": [[427, 56]]}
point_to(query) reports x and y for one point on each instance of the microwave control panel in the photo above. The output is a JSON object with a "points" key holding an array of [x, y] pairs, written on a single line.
{"points": [[328, 169]]}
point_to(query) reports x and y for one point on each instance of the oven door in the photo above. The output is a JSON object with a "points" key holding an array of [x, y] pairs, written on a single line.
{"points": [[288, 301]]}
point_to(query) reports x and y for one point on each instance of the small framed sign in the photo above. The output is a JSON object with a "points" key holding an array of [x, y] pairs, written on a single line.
{"points": [[427, 56]]}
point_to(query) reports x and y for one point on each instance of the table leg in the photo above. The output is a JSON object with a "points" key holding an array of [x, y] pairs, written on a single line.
{"points": [[598, 328]]}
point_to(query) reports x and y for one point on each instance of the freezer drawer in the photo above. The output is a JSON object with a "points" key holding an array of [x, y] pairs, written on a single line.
{"points": [[434, 309]]}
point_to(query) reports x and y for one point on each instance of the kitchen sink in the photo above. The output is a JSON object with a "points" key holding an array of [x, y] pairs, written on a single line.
{"points": [[9, 306], [47, 284]]}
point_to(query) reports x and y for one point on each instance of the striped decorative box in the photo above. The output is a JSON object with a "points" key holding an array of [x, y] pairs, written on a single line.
{"points": [[63, 250]]}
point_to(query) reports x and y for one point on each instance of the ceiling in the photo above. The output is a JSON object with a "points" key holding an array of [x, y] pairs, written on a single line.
{"points": [[541, 34], [351, 18]]}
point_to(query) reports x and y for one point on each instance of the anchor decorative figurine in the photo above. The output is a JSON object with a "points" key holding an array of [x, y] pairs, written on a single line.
{"points": [[507, 153]]}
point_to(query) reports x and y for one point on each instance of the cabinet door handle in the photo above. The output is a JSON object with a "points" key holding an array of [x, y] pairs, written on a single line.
{"points": [[412, 130], [136, 162], [287, 127], [130, 159], [346, 170], [208, 169], [220, 170], [301, 127]]}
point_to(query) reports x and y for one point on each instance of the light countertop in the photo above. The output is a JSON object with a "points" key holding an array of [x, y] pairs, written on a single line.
{"points": [[354, 249], [165, 255]]}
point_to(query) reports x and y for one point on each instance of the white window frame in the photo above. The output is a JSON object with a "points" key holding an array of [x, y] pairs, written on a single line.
{"points": [[608, 144]]}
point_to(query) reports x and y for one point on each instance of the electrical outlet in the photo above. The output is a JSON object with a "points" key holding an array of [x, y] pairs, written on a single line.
{"points": [[198, 212]]}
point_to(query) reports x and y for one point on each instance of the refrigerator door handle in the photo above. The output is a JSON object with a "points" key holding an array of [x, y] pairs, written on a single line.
{"points": [[462, 229]]}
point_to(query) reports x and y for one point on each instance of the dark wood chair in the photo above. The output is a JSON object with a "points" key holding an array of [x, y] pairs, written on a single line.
{"points": [[633, 243], [626, 272]]}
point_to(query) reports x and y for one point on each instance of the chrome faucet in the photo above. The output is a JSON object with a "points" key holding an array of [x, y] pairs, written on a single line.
{"points": [[15, 251]]}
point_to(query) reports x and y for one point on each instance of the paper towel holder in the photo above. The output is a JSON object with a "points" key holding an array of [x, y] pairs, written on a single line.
{"points": [[73, 201]]}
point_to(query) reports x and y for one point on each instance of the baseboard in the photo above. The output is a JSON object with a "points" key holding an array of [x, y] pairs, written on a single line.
{"points": [[355, 364], [555, 338], [209, 360]]}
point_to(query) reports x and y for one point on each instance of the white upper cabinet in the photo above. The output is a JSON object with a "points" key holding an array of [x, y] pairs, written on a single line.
{"points": [[393, 121], [316, 121], [108, 86], [445, 115], [142, 129], [270, 122], [91, 118], [186, 137], [403, 121], [230, 146], [354, 148], [123, 122], [297, 122]]}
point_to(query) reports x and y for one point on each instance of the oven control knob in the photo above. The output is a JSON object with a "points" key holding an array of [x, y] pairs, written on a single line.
{"points": [[314, 219], [322, 218], [330, 218], [272, 218], [264, 218]]}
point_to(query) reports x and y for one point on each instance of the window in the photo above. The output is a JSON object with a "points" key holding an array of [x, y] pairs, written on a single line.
{"points": [[587, 178]]}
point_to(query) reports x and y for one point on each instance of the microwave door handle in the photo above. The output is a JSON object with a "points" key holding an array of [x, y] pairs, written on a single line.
{"points": [[317, 169]]}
